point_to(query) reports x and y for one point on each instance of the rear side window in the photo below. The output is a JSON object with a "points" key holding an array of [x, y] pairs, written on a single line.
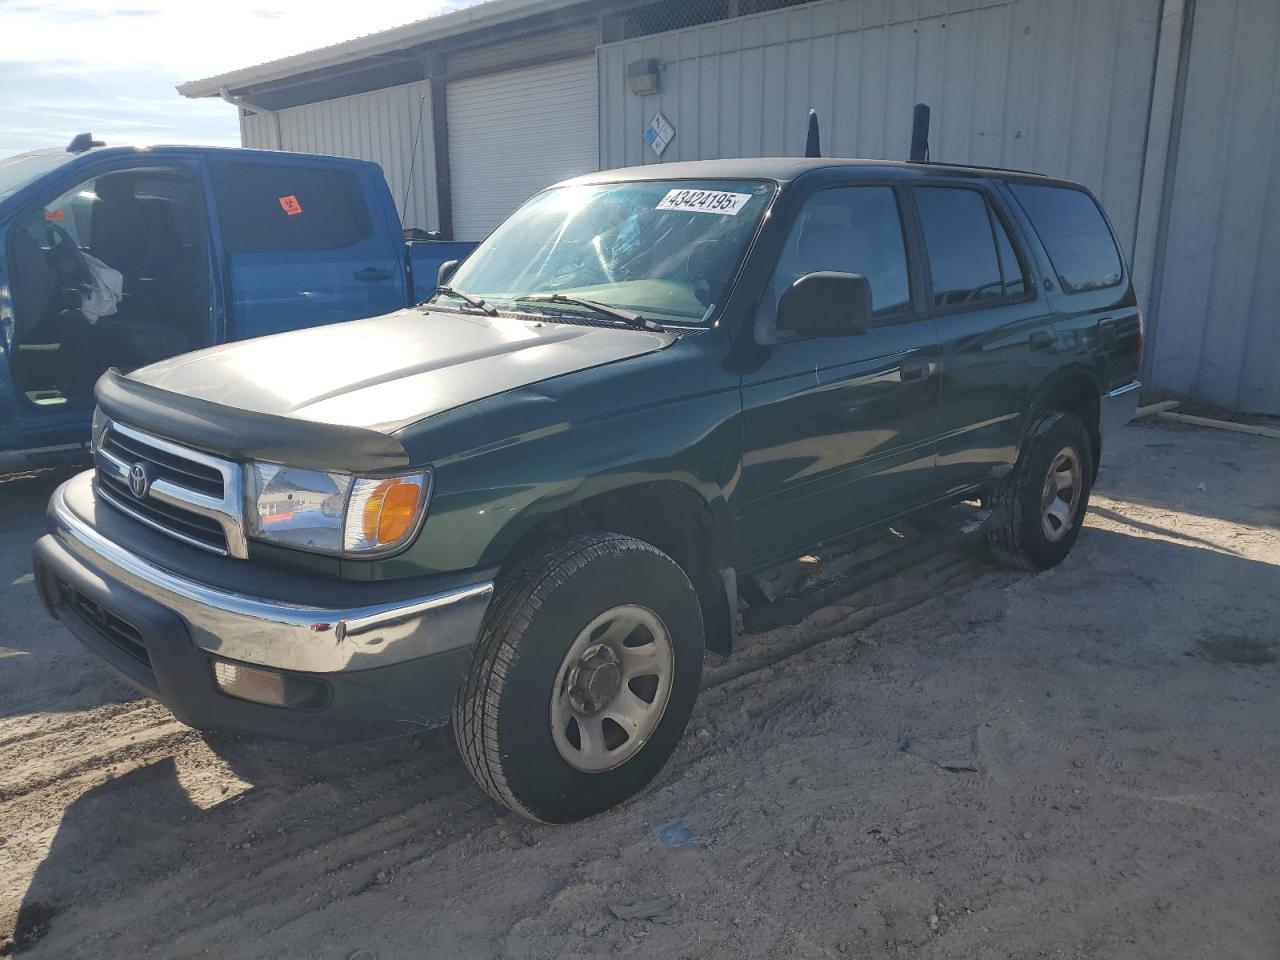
{"points": [[1074, 234], [270, 208], [972, 260]]}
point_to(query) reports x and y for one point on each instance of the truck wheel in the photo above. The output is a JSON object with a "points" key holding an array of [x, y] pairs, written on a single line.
{"points": [[584, 677], [1045, 497]]}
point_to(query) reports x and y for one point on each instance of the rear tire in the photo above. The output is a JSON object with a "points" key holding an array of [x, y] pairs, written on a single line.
{"points": [[1045, 497], [584, 677]]}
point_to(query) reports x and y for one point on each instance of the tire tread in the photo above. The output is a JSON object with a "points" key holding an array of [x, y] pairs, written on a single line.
{"points": [[1007, 542], [516, 602]]}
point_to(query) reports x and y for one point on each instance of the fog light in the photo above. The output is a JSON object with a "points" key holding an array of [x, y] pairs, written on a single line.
{"points": [[250, 683], [269, 687]]}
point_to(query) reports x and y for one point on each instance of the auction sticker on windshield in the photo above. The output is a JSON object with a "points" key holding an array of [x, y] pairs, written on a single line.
{"points": [[705, 201]]}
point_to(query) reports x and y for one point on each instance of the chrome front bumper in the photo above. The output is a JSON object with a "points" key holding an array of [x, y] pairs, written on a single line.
{"points": [[271, 633]]}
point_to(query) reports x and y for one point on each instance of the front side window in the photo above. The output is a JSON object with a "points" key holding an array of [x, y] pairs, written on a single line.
{"points": [[850, 230], [669, 250], [1074, 234], [275, 208], [972, 260]]}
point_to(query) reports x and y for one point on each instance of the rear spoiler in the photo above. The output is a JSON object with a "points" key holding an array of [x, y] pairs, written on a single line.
{"points": [[245, 435]]}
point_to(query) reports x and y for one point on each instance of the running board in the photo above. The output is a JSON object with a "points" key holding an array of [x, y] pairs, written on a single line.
{"points": [[942, 531]]}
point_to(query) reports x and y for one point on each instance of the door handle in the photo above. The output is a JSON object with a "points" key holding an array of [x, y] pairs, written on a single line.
{"points": [[916, 370], [372, 274]]}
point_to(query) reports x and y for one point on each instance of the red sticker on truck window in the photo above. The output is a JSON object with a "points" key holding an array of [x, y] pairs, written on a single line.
{"points": [[290, 205]]}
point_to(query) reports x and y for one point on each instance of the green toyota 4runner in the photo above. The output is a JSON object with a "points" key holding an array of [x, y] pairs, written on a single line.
{"points": [[529, 505]]}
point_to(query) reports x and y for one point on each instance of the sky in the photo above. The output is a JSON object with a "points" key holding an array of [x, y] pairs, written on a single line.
{"points": [[71, 66]]}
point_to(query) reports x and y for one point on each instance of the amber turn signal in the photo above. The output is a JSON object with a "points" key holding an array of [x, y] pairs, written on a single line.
{"points": [[390, 511], [382, 513]]}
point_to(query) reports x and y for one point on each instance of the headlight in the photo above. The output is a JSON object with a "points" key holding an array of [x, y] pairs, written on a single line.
{"points": [[334, 512]]}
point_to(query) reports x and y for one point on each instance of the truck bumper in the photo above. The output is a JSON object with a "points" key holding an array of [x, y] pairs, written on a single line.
{"points": [[300, 658], [1117, 407]]}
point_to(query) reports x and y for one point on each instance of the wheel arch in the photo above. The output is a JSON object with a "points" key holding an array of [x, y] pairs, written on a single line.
{"points": [[1073, 390], [670, 514]]}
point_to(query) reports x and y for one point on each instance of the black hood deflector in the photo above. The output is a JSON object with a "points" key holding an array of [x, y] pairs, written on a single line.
{"points": [[245, 435]]}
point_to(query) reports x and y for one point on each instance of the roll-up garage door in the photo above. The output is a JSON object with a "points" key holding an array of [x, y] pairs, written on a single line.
{"points": [[513, 133]]}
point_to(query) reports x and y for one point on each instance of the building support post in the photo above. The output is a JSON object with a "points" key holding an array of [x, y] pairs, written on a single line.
{"points": [[434, 69], [1164, 124]]}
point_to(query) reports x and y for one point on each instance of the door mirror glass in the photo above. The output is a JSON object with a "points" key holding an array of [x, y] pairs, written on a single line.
{"points": [[445, 271], [826, 304]]}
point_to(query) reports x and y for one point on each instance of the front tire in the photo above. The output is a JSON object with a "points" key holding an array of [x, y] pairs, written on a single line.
{"points": [[1044, 499], [584, 677]]}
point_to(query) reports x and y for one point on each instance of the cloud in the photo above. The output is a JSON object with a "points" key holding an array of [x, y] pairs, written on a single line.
{"points": [[72, 65]]}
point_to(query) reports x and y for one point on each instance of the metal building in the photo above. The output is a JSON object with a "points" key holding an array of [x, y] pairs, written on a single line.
{"points": [[1168, 109]]}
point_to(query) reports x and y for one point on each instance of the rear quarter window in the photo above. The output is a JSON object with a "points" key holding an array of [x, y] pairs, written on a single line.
{"points": [[1075, 235], [273, 208]]}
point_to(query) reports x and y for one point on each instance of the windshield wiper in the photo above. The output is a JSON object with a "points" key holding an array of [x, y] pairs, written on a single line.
{"points": [[476, 302], [629, 317]]}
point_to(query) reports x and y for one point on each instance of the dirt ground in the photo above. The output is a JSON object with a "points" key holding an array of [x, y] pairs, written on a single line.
{"points": [[960, 762]]}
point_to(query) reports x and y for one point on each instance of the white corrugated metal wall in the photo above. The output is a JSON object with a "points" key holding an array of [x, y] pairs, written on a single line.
{"points": [[1217, 306], [1077, 88], [513, 133], [1058, 86], [381, 126]]}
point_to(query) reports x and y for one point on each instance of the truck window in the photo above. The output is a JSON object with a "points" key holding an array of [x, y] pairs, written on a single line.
{"points": [[273, 208], [972, 259], [850, 230], [110, 273], [1075, 235]]}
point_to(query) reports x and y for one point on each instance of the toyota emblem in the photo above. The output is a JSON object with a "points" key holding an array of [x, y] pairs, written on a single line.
{"points": [[138, 480]]}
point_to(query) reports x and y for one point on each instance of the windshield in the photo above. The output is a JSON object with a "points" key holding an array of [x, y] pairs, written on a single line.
{"points": [[17, 172], [668, 250]]}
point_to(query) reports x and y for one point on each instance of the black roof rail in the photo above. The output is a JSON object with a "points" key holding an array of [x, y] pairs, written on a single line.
{"points": [[980, 166], [920, 147]]}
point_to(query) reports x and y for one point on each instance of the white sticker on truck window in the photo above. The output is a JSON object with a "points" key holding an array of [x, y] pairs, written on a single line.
{"points": [[705, 201]]}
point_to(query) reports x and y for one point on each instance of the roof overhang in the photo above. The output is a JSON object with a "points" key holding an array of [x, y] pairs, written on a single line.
{"points": [[488, 14]]}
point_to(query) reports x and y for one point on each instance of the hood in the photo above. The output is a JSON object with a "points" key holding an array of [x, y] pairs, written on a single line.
{"points": [[388, 372]]}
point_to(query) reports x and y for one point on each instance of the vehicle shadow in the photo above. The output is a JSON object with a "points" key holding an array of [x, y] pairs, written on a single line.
{"points": [[310, 829], [189, 826], [43, 668]]}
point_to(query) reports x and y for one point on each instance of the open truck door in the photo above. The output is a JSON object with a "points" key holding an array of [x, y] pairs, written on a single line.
{"points": [[107, 267]]}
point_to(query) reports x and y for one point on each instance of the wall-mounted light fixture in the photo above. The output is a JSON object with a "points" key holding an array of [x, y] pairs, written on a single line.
{"points": [[642, 76]]}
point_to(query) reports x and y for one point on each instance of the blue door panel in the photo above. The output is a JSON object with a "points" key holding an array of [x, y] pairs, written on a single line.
{"points": [[305, 243]]}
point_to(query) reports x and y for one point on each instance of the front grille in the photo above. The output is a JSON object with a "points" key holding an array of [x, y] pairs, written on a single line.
{"points": [[196, 476], [121, 633], [187, 494], [162, 516]]}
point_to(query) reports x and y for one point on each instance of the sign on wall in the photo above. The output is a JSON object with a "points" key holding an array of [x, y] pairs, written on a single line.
{"points": [[658, 134]]}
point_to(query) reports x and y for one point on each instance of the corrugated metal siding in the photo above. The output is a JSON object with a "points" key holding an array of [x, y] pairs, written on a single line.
{"points": [[1058, 86], [513, 133], [380, 126], [569, 39], [1216, 330]]}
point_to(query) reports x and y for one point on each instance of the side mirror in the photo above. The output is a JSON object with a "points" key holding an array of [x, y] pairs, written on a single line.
{"points": [[445, 271], [826, 304]]}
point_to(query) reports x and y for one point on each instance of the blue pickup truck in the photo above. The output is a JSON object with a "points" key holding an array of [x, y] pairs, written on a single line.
{"points": [[122, 256]]}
